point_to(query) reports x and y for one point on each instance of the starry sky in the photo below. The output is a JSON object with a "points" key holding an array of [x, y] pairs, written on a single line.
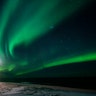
{"points": [[47, 38]]}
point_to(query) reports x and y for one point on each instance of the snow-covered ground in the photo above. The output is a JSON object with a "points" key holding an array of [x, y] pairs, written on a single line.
{"points": [[20, 89]]}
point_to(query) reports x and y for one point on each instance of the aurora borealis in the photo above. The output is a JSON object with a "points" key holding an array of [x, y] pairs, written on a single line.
{"points": [[40, 34]]}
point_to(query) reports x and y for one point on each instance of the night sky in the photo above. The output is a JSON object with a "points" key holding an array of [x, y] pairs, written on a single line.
{"points": [[47, 38]]}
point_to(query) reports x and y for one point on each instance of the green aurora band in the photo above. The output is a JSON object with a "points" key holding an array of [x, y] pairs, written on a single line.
{"points": [[82, 58], [32, 22]]}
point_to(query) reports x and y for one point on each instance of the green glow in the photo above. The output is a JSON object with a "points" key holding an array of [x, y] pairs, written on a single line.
{"points": [[24, 23], [40, 23], [82, 58], [9, 67], [28, 71], [23, 63], [8, 9], [2, 69]]}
